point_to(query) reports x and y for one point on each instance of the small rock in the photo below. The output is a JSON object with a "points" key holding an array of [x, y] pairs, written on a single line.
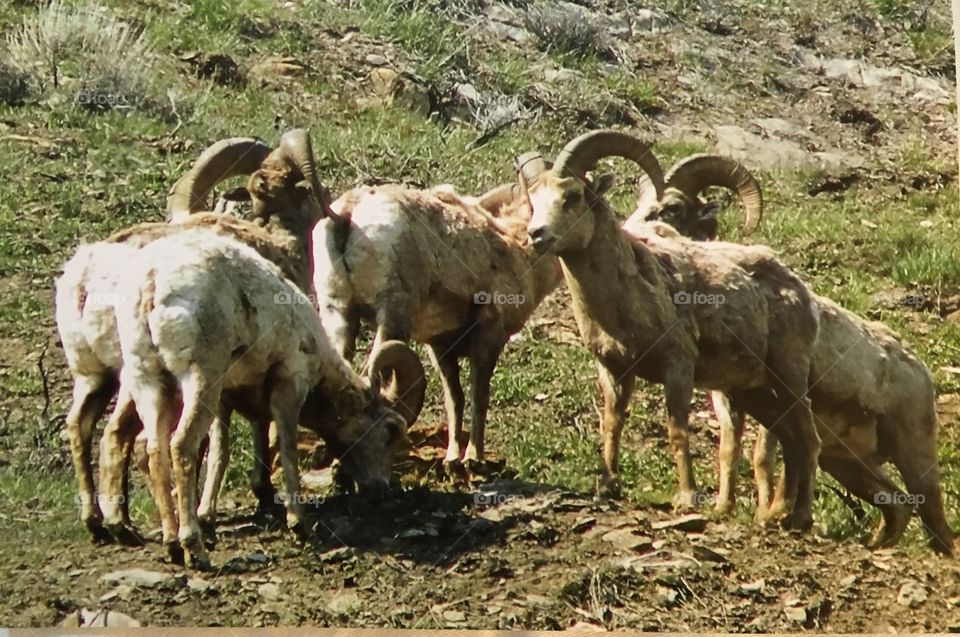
{"points": [[588, 627], [648, 20], [582, 524], [344, 603], [848, 581], [707, 554], [693, 523], [667, 596], [375, 60], [258, 558], [277, 70], [336, 555], [560, 76], [912, 594], [466, 92], [757, 587], [143, 578], [85, 618], [454, 616], [796, 614], [626, 540], [269, 591], [200, 585]]}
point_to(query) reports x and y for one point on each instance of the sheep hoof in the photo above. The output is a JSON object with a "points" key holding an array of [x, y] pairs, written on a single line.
{"points": [[723, 507], [208, 528], [98, 533], [610, 488], [683, 502], [125, 535], [942, 546], [454, 470], [302, 531], [476, 468], [196, 555], [796, 522], [175, 552]]}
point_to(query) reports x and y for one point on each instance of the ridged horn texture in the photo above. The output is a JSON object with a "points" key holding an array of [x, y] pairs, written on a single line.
{"points": [[696, 173], [583, 153], [410, 386], [297, 150], [531, 165], [227, 158]]}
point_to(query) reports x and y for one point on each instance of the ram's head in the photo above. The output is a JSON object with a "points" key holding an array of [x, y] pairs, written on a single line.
{"points": [[563, 198], [281, 182], [681, 206]]}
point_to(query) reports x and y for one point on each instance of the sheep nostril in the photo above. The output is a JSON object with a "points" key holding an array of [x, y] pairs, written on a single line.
{"points": [[540, 234]]}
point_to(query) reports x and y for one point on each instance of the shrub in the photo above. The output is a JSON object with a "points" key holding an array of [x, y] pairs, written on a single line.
{"points": [[99, 61], [565, 31]]}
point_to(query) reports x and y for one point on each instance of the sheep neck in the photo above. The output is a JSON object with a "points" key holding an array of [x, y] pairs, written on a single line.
{"points": [[622, 296]]}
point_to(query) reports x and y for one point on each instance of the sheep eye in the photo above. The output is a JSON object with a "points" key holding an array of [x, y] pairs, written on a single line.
{"points": [[571, 197]]}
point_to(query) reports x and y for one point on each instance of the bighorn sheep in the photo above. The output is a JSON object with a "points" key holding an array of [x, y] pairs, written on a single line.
{"points": [[873, 400], [684, 314], [198, 314], [682, 207], [438, 268]]}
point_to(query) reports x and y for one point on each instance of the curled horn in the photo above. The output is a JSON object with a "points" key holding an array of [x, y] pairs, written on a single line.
{"points": [[225, 159], [297, 150], [696, 173], [529, 166], [583, 153], [407, 393], [494, 199]]}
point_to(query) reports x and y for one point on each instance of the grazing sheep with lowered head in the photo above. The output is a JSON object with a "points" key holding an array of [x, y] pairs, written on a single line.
{"points": [[199, 314]]}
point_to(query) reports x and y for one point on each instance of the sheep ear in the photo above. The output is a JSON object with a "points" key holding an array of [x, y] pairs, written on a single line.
{"points": [[237, 194], [603, 183]]}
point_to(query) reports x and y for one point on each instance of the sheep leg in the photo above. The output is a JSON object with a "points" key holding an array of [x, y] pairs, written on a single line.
{"points": [[201, 400], [286, 399], [116, 445], [453, 400], [764, 452], [731, 449], [262, 464], [793, 505], [617, 388], [91, 395], [767, 409], [218, 457], [679, 393], [916, 458], [125, 485], [483, 362], [866, 479], [157, 417]]}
